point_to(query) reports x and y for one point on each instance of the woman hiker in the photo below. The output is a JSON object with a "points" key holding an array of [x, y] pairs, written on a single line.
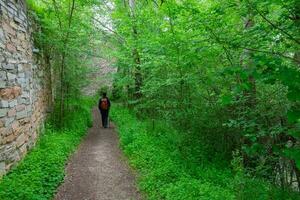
{"points": [[104, 106]]}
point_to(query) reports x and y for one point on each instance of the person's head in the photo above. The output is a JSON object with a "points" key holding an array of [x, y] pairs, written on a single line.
{"points": [[104, 94]]}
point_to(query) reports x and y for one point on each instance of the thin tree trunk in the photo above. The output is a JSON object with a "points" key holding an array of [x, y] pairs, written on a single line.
{"points": [[135, 52], [297, 61], [49, 86], [62, 70], [247, 63]]}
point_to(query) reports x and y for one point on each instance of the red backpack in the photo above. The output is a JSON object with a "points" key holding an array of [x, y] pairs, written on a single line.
{"points": [[104, 104]]}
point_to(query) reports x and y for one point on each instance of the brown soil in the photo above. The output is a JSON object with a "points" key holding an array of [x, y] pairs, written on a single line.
{"points": [[97, 171]]}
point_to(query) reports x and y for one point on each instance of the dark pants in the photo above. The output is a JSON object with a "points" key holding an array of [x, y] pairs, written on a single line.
{"points": [[104, 116]]}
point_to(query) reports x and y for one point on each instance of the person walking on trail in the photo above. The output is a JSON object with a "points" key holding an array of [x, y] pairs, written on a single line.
{"points": [[104, 106]]}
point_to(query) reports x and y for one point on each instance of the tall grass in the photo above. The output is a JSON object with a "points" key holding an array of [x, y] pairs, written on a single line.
{"points": [[174, 165]]}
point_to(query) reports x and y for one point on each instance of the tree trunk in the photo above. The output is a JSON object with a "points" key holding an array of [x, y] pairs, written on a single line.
{"points": [[62, 72], [62, 66], [136, 56], [247, 64]]}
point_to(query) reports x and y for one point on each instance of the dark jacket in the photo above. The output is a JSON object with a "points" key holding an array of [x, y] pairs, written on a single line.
{"points": [[99, 104]]}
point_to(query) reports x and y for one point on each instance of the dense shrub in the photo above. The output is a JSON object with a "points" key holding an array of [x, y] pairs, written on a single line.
{"points": [[170, 169], [222, 72]]}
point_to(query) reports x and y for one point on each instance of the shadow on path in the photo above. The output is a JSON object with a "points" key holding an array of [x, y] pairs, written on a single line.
{"points": [[97, 171]]}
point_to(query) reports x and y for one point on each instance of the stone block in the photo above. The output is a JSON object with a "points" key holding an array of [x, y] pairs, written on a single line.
{"points": [[29, 113], [2, 153], [23, 61], [23, 85], [2, 45], [14, 25], [10, 93], [9, 165], [10, 138], [24, 121], [11, 14], [11, 77], [13, 103], [15, 126], [20, 107], [21, 129], [29, 108], [12, 112], [1, 125], [18, 20], [5, 131], [20, 68], [2, 85], [8, 29], [2, 169], [22, 81], [22, 29], [8, 66], [2, 59], [21, 36], [12, 7], [23, 149], [11, 48], [12, 61], [15, 41], [4, 104], [21, 114], [8, 122], [21, 49], [21, 140], [2, 37], [21, 75], [35, 51], [28, 73], [22, 17], [3, 112], [25, 101], [14, 157], [3, 76], [8, 152]]}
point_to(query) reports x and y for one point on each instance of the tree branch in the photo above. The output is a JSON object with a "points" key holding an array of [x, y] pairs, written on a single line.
{"points": [[274, 25], [110, 30]]}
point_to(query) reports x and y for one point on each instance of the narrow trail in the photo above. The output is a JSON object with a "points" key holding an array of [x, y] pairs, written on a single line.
{"points": [[97, 171]]}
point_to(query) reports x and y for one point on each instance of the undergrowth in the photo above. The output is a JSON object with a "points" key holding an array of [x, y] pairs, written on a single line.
{"points": [[172, 167], [38, 176]]}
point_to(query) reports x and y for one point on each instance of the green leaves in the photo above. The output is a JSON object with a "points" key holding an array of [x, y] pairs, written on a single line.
{"points": [[294, 154], [222, 70], [294, 116], [158, 155], [226, 99]]}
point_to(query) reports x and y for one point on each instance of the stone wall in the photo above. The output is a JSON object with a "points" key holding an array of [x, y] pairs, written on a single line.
{"points": [[23, 85]]}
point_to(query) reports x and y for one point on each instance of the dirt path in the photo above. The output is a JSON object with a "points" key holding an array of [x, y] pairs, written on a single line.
{"points": [[97, 171]]}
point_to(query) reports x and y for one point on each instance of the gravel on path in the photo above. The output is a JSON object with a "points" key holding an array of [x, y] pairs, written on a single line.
{"points": [[98, 170]]}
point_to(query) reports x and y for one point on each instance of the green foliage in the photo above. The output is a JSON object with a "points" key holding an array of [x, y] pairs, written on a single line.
{"points": [[224, 72], [170, 168], [40, 173], [67, 40], [222, 75]]}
